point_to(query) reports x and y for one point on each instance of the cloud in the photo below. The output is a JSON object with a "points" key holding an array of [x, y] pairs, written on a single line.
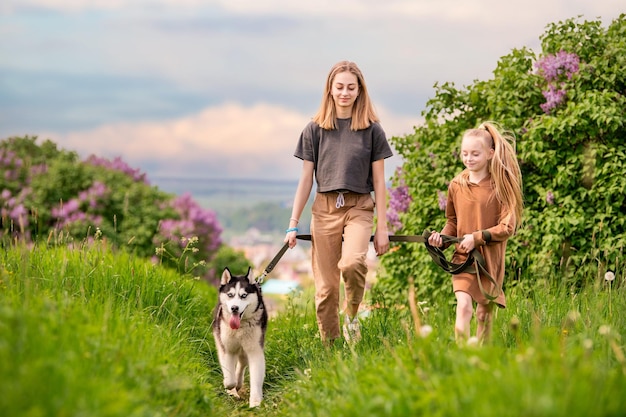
{"points": [[229, 140], [495, 12], [224, 87]]}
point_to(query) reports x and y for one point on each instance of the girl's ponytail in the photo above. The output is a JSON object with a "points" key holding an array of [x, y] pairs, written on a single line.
{"points": [[505, 171]]}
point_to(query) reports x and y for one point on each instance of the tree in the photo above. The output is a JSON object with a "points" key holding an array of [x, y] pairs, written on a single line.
{"points": [[566, 108]]}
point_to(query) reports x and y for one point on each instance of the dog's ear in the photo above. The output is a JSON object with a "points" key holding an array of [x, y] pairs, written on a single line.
{"points": [[226, 275], [249, 275]]}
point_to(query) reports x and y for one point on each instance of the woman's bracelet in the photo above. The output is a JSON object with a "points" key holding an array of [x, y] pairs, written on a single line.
{"points": [[295, 220], [291, 229]]}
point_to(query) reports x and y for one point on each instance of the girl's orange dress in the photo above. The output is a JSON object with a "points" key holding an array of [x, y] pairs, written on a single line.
{"points": [[473, 211]]}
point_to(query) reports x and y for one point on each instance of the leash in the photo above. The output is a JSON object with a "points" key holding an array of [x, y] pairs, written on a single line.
{"points": [[270, 266], [272, 263], [474, 264]]}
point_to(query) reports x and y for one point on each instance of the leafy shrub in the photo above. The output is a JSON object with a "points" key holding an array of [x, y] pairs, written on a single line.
{"points": [[566, 108], [46, 193]]}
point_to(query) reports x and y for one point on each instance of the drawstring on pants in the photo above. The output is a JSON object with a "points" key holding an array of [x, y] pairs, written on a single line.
{"points": [[340, 200]]}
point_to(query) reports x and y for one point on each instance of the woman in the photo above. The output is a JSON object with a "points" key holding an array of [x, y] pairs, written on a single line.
{"points": [[344, 148]]}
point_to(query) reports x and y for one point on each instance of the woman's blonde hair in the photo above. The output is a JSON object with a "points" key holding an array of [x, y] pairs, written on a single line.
{"points": [[504, 168], [363, 113]]}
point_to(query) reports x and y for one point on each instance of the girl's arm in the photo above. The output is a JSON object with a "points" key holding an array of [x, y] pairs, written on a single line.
{"points": [[305, 184], [498, 233], [381, 236]]}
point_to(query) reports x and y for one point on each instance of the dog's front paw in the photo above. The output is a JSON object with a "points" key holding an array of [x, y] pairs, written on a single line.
{"points": [[255, 402], [233, 392]]}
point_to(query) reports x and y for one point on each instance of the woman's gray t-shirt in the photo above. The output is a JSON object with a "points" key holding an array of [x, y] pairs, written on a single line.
{"points": [[343, 158]]}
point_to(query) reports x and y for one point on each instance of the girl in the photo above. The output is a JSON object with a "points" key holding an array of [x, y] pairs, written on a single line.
{"points": [[344, 147], [484, 207]]}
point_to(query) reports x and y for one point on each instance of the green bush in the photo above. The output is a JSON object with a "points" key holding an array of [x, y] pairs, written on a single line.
{"points": [[566, 109], [49, 194]]}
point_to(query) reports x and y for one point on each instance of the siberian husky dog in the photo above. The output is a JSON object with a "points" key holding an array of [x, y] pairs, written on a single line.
{"points": [[239, 329]]}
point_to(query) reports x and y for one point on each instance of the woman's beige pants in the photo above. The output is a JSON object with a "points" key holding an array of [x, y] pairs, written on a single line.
{"points": [[330, 222]]}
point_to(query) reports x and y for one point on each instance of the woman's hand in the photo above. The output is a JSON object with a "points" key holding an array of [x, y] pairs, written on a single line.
{"points": [[381, 242], [290, 237]]}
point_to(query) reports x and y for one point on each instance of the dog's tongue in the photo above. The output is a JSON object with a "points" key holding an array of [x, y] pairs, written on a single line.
{"points": [[235, 321]]}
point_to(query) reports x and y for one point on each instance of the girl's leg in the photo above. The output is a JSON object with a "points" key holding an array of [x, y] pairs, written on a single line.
{"points": [[484, 317], [464, 312]]}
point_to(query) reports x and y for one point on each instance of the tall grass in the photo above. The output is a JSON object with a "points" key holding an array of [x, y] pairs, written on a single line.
{"points": [[92, 332], [556, 351], [89, 332]]}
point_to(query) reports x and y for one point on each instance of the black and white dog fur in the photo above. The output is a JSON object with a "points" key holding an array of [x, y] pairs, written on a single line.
{"points": [[239, 329]]}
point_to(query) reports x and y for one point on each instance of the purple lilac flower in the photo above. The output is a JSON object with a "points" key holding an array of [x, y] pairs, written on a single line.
{"points": [[549, 198], [38, 169], [442, 200], [399, 198], [8, 158], [552, 67], [118, 165], [554, 97], [399, 201], [14, 209], [89, 199], [555, 69], [11, 175], [193, 221], [394, 220]]}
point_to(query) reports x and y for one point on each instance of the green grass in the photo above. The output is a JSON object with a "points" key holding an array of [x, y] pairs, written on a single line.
{"points": [[91, 332], [88, 332]]}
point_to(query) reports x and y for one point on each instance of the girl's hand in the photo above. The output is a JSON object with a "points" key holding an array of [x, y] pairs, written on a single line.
{"points": [[467, 244], [435, 239]]}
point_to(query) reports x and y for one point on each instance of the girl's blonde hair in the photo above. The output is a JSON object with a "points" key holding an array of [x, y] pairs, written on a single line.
{"points": [[504, 168], [363, 113]]}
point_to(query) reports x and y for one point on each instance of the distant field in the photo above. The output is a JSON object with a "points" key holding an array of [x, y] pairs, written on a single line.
{"points": [[224, 195], [240, 203]]}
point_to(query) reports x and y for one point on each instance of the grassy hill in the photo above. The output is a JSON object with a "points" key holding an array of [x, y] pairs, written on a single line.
{"points": [[92, 332]]}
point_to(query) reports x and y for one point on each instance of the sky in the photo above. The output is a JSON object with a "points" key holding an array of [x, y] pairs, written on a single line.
{"points": [[223, 88]]}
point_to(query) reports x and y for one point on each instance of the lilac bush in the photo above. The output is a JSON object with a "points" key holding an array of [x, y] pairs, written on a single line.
{"points": [[46, 192], [571, 152]]}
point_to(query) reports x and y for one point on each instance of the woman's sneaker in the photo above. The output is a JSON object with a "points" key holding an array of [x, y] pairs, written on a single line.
{"points": [[352, 329]]}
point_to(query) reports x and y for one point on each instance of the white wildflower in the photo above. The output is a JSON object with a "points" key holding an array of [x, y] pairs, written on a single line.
{"points": [[473, 341], [425, 330], [609, 276]]}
